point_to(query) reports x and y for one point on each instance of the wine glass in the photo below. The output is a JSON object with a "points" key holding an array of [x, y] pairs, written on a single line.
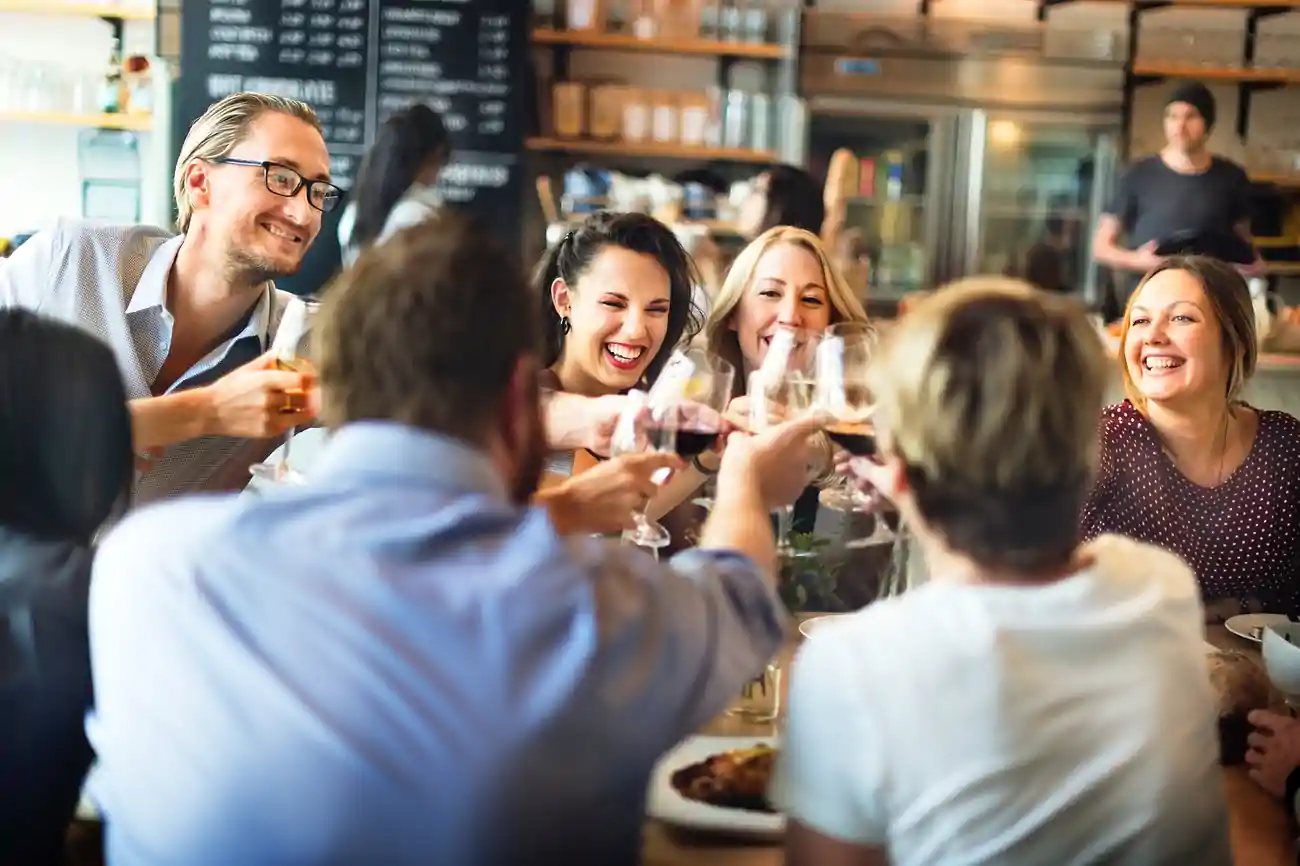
{"points": [[772, 400], [290, 350], [645, 426], [696, 386], [842, 395]]}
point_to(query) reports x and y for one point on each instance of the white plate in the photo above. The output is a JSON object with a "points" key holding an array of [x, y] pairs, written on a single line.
{"points": [[665, 804], [808, 626], [1247, 624]]}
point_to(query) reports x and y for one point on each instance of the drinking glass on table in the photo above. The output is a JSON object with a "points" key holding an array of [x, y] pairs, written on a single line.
{"points": [[290, 351], [842, 395], [646, 427]]}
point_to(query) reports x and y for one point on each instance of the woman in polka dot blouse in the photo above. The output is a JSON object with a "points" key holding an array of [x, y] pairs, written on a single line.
{"points": [[1184, 463]]}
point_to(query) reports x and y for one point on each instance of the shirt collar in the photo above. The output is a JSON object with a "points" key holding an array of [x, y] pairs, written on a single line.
{"points": [[388, 448], [151, 292]]}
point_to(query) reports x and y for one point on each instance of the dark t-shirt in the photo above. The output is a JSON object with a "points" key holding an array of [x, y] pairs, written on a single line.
{"points": [[1154, 202]]}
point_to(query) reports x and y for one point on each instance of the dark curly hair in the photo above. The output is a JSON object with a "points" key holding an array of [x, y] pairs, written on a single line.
{"points": [[572, 256]]}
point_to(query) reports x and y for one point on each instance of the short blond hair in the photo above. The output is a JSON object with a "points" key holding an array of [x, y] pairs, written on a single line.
{"points": [[220, 130], [990, 391], [722, 341]]}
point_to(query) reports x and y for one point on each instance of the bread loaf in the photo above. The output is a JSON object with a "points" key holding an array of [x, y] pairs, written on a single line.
{"points": [[1240, 685]]}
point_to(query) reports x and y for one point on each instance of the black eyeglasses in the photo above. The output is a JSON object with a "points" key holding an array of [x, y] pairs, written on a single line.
{"points": [[284, 181]]}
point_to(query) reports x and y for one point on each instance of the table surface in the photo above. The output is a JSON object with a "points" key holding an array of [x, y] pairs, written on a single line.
{"points": [[1260, 827]]}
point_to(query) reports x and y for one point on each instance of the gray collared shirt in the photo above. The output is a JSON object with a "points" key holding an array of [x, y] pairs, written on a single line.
{"points": [[112, 282]]}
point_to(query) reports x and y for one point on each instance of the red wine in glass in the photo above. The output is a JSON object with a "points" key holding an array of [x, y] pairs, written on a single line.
{"points": [[687, 443], [857, 439]]}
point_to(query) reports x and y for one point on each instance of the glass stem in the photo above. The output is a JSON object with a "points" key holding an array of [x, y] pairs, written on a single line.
{"points": [[288, 440]]}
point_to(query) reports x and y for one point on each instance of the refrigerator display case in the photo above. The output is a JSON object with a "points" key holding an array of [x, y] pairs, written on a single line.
{"points": [[979, 148]]}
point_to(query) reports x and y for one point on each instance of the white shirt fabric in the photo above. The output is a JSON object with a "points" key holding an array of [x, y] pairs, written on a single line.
{"points": [[111, 281], [419, 203], [1068, 723]]}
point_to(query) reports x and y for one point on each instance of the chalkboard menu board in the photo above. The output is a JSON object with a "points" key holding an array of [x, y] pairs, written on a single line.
{"points": [[358, 61]]}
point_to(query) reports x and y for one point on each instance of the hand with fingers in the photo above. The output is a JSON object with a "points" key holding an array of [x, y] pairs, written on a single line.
{"points": [[1273, 750], [776, 457], [260, 401], [605, 498]]}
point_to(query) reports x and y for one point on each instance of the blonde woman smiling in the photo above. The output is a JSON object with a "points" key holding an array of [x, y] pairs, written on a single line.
{"points": [[782, 279]]}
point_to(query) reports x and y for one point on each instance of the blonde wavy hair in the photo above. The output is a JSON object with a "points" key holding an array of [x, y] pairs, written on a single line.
{"points": [[971, 397], [722, 341], [220, 130]]}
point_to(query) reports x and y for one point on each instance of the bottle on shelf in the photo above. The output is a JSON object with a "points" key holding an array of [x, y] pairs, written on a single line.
{"points": [[110, 94]]}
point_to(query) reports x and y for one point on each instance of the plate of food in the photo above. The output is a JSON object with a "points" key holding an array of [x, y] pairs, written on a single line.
{"points": [[717, 785], [1251, 625]]}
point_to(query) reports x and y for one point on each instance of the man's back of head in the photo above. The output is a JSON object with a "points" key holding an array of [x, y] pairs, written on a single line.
{"points": [[428, 330]]}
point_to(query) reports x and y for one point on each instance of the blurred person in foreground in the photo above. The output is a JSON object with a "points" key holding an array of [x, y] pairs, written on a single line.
{"points": [[1040, 700], [399, 659], [62, 474], [191, 316]]}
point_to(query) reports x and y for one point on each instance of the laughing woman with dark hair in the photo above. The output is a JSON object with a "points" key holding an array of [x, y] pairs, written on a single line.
{"points": [[65, 468], [395, 186], [615, 297]]}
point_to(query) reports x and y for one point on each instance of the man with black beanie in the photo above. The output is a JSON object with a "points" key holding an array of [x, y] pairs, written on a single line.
{"points": [[1182, 190]]}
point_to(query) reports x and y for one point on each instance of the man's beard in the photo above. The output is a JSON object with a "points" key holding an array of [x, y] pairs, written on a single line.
{"points": [[247, 268]]}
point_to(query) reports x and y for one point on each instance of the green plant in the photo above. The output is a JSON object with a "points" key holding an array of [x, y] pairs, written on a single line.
{"points": [[809, 574]]}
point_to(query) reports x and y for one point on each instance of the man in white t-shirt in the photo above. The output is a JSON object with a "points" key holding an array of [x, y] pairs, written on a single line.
{"points": [[1037, 703]]}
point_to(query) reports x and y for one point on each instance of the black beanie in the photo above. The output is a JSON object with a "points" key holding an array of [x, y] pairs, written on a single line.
{"points": [[1197, 95]]}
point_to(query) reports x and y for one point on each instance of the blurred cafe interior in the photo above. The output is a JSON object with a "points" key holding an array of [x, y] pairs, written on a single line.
{"points": [[917, 143]]}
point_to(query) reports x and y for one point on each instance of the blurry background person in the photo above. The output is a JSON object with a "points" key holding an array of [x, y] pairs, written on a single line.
{"points": [[1184, 190], [1185, 463], [982, 732], [190, 317], [396, 185], [783, 195], [65, 466], [1051, 263]]}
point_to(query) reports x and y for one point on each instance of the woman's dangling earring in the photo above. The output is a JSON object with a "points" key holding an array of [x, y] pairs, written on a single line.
{"points": [[565, 327]]}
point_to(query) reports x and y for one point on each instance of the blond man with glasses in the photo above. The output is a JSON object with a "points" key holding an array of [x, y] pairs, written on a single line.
{"points": [[190, 316], [1039, 700]]}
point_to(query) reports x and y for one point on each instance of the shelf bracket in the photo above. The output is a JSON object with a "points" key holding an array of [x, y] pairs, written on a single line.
{"points": [[1246, 90]]}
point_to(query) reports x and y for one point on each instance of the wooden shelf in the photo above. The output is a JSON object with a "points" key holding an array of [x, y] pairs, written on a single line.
{"points": [[626, 42], [651, 149], [1279, 179], [137, 122], [1282, 269], [133, 12], [1236, 74]]}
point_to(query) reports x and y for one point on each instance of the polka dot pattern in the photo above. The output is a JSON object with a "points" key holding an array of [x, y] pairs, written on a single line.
{"points": [[1242, 538]]}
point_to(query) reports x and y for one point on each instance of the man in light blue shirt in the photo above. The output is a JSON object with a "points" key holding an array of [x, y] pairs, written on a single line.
{"points": [[400, 662]]}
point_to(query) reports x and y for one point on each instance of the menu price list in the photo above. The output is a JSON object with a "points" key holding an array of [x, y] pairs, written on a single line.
{"points": [[356, 62]]}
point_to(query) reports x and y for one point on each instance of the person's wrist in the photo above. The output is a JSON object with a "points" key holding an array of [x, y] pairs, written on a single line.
{"points": [[558, 502], [707, 462], [201, 405]]}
